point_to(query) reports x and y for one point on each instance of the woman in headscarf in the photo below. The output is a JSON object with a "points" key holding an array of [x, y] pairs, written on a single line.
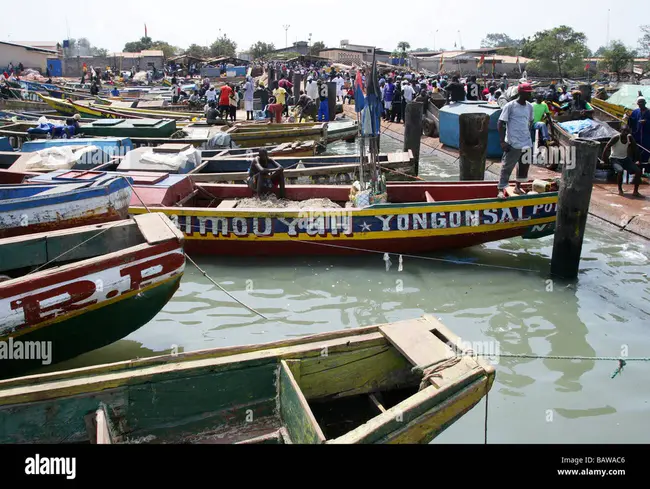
{"points": [[248, 98]]}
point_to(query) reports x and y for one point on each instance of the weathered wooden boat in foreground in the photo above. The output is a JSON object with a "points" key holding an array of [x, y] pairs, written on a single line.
{"points": [[404, 382], [76, 290], [98, 198], [419, 217]]}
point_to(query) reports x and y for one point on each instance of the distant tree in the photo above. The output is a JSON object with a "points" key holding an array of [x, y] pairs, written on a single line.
{"points": [[261, 49], [420, 50], [197, 51], [560, 49], [599, 52], [644, 40], [403, 47], [223, 47], [617, 57], [316, 48], [500, 40], [136, 46], [99, 52], [168, 50]]}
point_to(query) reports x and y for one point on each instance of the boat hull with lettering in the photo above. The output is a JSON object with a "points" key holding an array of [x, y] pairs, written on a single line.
{"points": [[27, 209], [421, 217], [398, 383], [107, 281]]}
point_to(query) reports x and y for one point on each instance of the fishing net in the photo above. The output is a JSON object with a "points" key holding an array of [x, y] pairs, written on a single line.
{"points": [[272, 201]]}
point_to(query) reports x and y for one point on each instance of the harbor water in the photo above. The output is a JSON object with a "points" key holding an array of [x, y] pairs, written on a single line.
{"points": [[498, 297]]}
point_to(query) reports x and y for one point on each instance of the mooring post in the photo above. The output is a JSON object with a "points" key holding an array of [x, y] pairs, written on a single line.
{"points": [[473, 145], [413, 132], [331, 99], [297, 79], [573, 207]]}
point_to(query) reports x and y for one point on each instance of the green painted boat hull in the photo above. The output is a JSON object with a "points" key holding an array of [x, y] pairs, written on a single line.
{"points": [[93, 329], [131, 128]]}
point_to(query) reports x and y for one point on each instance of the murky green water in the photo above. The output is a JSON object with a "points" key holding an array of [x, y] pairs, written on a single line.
{"points": [[500, 293]]}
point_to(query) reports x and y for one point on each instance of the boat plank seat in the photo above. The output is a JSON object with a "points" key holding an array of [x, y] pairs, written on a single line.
{"points": [[423, 349], [227, 204], [156, 227], [427, 195], [63, 188]]}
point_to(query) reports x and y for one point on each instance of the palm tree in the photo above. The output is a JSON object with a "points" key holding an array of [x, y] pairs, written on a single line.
{"points": [[402, 46]]}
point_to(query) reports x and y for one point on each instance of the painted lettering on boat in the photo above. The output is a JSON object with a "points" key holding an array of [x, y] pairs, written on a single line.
{"points": [[347, 224], [47, 303]]}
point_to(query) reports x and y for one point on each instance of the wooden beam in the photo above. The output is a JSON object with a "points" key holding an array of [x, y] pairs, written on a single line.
{"points": [[377, 404]]}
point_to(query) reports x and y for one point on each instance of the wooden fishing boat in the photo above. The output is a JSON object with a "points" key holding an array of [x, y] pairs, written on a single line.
{"points": [[63, 107], [315, 169], [72, 291], [299, 148], [419, 217], [119, 112], [564, 139], [246, 136], [87, 109], [396, 383], [27, 209], [339, 130]]}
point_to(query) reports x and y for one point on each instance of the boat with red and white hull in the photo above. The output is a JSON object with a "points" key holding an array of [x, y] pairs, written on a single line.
{"points": [[67, 292], [34, 208]]}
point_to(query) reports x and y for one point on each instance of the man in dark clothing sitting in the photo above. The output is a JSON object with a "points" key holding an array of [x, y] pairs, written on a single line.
{"points": [[264, 174]]}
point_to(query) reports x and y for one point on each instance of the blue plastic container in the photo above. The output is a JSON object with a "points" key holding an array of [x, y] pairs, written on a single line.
{"points": [[5, 145], [450, 127]]}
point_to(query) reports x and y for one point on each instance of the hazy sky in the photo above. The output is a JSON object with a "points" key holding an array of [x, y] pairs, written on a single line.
{"points": [[111, 24]]}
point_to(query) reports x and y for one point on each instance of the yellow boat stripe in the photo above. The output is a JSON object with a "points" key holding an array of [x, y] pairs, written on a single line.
{"points": [[396, 209]]}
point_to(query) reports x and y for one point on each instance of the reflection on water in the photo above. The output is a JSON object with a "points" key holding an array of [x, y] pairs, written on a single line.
{"points": [[500, 293]]}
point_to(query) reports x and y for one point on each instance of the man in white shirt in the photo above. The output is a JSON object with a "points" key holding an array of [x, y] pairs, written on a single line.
{"points": [[407, 92], [211, 95], [312, 89], [514, 127]]}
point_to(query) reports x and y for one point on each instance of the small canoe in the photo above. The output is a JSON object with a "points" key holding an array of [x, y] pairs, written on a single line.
{"points": [[90, 108], [335, 169], [61, 106], [297, 149], [27, 209], [222, 219], [247, 136], [71, 291], [396, 383]]}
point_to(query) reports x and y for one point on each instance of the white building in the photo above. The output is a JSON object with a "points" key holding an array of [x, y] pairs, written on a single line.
{"points": [[31, 57]]}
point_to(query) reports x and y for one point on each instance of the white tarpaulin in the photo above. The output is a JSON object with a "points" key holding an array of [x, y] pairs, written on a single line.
{"points": [[145, 159]]}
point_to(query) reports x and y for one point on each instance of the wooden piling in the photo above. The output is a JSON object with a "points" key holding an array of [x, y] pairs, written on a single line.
{"points": [[573, 206], [297, 80], [331, 99], [413, 132], [473, 144]]}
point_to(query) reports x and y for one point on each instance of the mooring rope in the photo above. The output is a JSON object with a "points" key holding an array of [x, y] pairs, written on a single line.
{"points": [[431, 258], [205, 274]]}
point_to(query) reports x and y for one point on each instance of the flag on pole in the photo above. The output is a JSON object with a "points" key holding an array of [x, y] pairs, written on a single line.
{"points": [[481, 61], [145, 30], [587, 67]]}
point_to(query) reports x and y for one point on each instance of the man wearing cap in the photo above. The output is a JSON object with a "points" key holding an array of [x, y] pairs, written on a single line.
{"points": [[514, 126], [640, 129]]}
